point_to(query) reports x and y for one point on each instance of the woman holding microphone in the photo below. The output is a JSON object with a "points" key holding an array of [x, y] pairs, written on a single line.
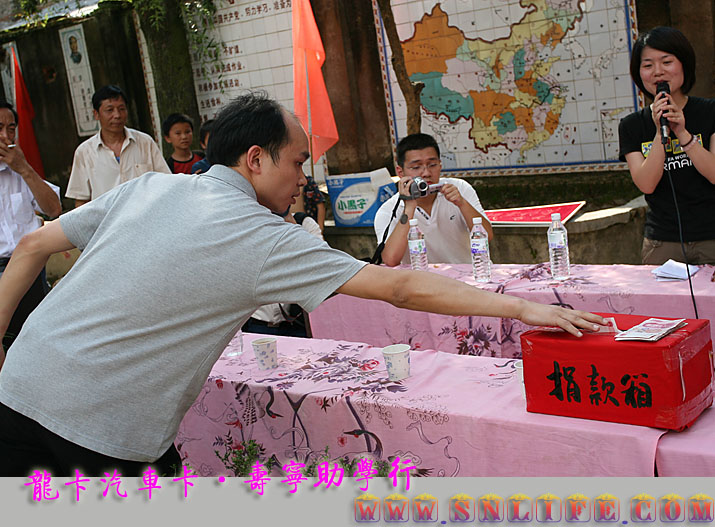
{"points": [[663, 68]]}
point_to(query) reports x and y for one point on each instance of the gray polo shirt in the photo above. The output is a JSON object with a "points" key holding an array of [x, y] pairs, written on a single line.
{"points": [[172, 265]]}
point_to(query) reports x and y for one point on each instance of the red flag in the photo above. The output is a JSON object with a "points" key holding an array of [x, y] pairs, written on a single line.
{"points": [[25, 115], [308, 57]]}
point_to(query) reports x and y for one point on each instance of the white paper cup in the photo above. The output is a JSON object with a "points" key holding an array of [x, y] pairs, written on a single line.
{"points": [[397, 361], [519, 367], [266, 350]]}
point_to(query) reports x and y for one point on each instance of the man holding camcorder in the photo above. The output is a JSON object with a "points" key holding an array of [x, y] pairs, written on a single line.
{"points": [[444, 208]]}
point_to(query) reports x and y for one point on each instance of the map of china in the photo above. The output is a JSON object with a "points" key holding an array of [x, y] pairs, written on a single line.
{"points": [[503, 86]]}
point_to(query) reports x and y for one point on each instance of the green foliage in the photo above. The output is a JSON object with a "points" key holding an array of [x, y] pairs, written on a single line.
{"points": [[240, 457], [29, 7], [29, 10], [152, 10], [197, 17], [195, 13], [348, 465], [311, 469]]}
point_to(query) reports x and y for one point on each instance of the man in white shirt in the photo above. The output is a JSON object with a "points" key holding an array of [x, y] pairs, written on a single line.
{"points": [[444, 217], [284, 319], [22, 193], [115, 154]]}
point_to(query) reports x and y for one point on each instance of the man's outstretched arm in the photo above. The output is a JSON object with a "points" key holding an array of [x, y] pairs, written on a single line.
{"points": [[27, 261], [425, 291]]}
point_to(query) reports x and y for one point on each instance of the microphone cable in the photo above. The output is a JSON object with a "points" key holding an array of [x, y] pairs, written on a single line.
{"points": [[680, 225]]}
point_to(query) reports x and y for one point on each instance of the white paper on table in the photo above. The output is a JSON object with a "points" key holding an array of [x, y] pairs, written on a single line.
{"points": [[674, 270]]}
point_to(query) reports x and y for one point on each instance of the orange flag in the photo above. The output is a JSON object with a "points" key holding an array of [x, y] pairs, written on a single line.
{"points": [[308, 57], [25, 115]]}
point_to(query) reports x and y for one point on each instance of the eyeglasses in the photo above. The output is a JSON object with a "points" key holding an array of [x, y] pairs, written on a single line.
{"points": [[418, 169]]}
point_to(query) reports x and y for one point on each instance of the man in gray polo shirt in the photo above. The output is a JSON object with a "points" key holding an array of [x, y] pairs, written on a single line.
{"points": [[171, 267]]}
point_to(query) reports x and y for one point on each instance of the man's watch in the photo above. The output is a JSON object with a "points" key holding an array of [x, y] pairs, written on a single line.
{"points": [[404, 219]]}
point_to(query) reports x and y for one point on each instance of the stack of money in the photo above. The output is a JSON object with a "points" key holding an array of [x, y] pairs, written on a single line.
{"points": [[652, 329]]}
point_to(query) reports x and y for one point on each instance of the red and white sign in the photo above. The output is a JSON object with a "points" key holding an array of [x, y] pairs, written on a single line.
{"points": [[539, 215]]}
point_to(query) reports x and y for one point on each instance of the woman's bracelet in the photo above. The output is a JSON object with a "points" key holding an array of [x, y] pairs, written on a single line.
{"points": [[690, 144]]}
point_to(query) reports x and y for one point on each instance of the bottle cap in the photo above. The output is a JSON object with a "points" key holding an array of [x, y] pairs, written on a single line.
{"points": [[556, 216], [477, 220], [413, 222]]}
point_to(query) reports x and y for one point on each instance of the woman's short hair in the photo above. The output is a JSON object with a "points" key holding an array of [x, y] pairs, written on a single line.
{"points": [[672, 41]]}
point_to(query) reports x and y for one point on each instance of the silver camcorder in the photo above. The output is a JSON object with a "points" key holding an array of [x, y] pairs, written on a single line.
{"points": [[419, 188]]}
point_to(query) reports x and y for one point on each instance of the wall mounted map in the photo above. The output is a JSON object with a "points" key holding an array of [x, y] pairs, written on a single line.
{"points": [[516, 87]]}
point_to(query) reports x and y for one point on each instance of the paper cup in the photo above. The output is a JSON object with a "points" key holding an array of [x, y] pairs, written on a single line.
{"points": [[397, 361], [519, 367], [266, 350]]}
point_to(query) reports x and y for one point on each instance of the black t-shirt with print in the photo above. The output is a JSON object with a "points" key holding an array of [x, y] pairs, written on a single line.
{"points": [[696, 195]]}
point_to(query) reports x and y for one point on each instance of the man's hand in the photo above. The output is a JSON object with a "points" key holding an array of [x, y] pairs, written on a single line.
{"points": [[14, 157], [403, 188], [452, 194], [46, 198], [568, 319]]}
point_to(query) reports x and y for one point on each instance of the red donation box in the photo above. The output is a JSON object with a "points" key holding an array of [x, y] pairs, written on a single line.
{"points": [[665, 384]]}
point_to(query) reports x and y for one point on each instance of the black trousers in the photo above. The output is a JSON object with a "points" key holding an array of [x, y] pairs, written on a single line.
{"points": [[29, 302], [26, 446], [253, 325]]}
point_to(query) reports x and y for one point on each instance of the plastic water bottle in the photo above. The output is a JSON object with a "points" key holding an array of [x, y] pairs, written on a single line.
{"points": [[417, 247], [479, 243], [558, 248]]}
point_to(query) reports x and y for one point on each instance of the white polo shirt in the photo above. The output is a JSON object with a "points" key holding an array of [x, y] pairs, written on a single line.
{"points": [[95, 169], [17, 209], [446, 232]]}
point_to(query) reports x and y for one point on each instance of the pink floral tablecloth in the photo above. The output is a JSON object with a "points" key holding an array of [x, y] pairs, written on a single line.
{"points": [[455, 415], [630, 289]]}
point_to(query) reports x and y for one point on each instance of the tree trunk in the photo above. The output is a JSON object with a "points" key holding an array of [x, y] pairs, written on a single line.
{"points": [[171, 64], [410, 90]]}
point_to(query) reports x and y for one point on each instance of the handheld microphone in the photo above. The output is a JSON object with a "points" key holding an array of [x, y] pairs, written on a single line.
{"points": [[663, 87]]}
